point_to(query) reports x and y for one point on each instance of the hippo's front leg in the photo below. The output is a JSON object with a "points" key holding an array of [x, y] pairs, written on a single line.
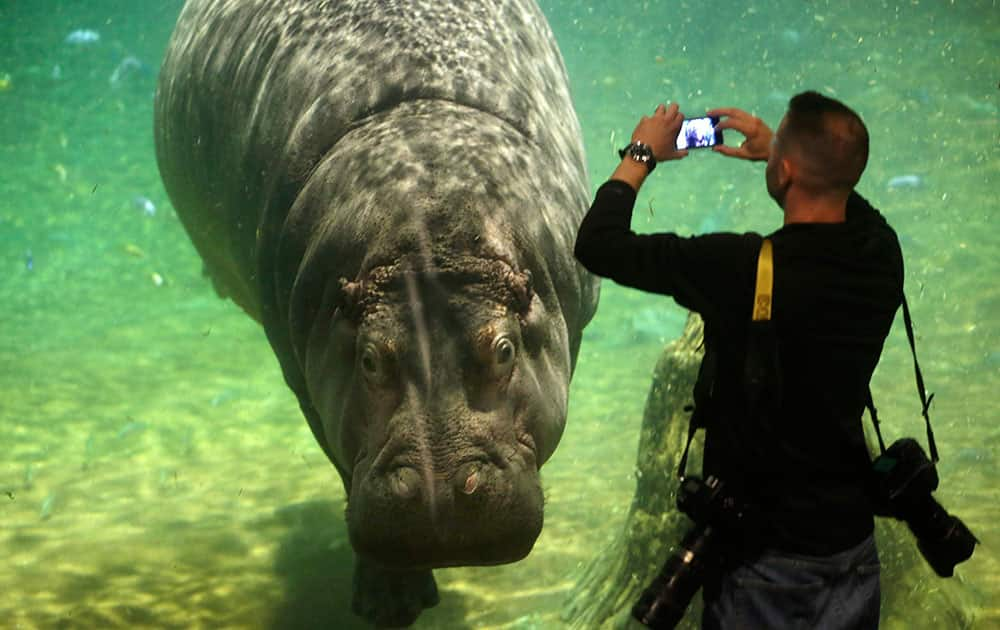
{"points": [[389, 597]]}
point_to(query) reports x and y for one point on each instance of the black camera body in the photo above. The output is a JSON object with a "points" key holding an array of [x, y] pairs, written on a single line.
{"points": [[715, 511], [903, 480]]}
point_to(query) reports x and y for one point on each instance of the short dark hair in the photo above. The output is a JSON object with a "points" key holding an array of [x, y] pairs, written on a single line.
{"points": [[830, 140]]}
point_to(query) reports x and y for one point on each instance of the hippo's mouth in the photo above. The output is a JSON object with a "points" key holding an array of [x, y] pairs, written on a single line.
{"points": [[484, 507]]}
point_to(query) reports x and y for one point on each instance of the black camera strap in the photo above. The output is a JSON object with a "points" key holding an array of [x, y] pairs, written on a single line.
{"points": [[874, 414], [703, 387], [925, 399]]}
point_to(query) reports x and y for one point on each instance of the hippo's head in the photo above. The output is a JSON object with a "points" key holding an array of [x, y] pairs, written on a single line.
{"points": [[442, 389]]}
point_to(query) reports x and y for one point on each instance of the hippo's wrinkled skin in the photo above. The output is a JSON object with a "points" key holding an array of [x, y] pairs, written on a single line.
{"points": [[393, 189]]}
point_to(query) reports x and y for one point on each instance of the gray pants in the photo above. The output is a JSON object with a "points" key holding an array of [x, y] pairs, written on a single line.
{"points": [[788, 591]]}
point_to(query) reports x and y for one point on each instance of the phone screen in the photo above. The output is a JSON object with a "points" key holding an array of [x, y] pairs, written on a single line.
{"points": [[697, 133]]}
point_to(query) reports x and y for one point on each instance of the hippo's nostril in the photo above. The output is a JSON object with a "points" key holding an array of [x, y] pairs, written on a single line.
{"points": [[404, 482], [467, 480], [471, 483]]}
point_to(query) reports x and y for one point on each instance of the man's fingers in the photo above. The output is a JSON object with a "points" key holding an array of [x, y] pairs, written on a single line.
{"points": [[728, 123], [729, 151], [743, 127], [725, 111], [732, 118]]}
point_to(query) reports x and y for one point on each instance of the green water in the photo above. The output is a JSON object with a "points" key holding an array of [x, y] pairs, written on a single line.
{"points": [[156, 471]]}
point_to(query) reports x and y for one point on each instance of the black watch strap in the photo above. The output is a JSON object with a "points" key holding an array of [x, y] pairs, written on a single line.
{"points": [[640, 152]]}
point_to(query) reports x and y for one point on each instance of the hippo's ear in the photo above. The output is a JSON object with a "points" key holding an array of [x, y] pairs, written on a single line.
{"points": [[348, 303], [520, 284]]}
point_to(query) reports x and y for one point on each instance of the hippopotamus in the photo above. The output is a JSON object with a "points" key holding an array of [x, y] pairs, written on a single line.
{"points": [[392, 190]]}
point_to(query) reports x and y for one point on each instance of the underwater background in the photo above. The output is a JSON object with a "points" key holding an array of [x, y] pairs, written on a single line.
{"points": [[156, 471]]}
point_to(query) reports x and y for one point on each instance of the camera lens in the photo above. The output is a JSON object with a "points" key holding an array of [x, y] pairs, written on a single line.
{"points": [[664, 602], [943, 539]]}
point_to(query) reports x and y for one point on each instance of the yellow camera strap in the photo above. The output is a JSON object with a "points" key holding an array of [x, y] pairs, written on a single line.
{"points": [[765, 282]]}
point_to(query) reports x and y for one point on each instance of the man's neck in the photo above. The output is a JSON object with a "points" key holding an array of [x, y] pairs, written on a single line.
{"points": [[801, 207]]}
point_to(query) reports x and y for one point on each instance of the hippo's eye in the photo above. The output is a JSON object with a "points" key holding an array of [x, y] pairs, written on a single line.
{"points": [[370, 362], [503, 353]]}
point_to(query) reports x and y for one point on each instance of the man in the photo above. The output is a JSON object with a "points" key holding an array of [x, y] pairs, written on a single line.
{"points": [[838, 278]]}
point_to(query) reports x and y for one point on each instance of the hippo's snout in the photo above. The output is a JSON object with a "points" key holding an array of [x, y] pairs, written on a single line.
{"points": [[481, 510]]}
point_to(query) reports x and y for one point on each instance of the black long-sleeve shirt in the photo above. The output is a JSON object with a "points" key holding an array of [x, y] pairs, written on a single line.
{"points": [[837, 287]]}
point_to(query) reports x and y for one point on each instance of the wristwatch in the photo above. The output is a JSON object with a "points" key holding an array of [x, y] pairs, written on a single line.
{"points": [[641, 153]]}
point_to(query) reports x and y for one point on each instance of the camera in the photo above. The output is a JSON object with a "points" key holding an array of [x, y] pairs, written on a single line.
{"points": [[904, 479], [715, 512]]}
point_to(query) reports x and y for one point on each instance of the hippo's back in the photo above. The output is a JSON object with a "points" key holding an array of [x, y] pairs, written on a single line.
{"points": [[253, 93]]}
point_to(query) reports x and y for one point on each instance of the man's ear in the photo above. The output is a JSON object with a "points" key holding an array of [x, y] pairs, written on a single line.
{"points": [[787, 172]]}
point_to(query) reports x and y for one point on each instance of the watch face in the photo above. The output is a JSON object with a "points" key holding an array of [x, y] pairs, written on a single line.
{"points": [[641, 152]]}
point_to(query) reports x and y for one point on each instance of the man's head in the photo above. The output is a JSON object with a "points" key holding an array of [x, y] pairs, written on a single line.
{"points": [[821, 147]]}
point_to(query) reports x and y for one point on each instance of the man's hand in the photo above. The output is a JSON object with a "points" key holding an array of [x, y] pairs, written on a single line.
{"points": [[659, 131], [757, 145]]}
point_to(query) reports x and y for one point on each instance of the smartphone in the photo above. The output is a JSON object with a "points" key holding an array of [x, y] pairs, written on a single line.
{"points": [[698, 133]]}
